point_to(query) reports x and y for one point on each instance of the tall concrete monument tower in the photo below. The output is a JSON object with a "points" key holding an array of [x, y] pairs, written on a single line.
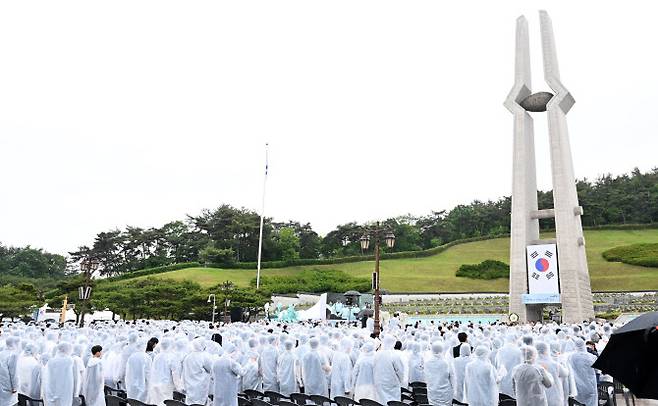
{"points": [[544, 271]]}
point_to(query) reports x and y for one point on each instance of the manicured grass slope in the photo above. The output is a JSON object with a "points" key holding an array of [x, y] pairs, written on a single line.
{"points": [[437, 273]]}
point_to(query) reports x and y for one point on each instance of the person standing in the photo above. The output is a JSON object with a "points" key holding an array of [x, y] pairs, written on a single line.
{"points": [[61, 374], [226, 377], [363, 373], [8, 372], [93, 381], [581, 362], [439, 377], [531, 380], [463, 339], [138, 371], [29, 373], [480, 383], [163, 373], [285, 370], [341, 370], [314, 369], [197, 367], [389, 372]]}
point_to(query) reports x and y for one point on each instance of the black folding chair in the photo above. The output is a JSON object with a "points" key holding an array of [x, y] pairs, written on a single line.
{"points": [[179, 396], [111, 400], [320, 400], [507, 402], [300, 398], [396, 403], [285, 403], [274, 397], [622, 390], [174, 402], [606, 391], [28, 401], [574, 402], [369, 402], [135, 402], [345, 401], [254, 394], [244, 401], [418, 384], [458, 403], [260, 402]]}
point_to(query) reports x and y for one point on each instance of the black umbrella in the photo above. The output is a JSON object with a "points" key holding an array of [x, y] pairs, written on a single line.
{"points": [[631, 356]]}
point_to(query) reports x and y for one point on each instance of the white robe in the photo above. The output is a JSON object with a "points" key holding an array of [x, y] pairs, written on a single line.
{"points": [[439, 377], [8, 378], [163, 376], [389, 376], [60, 381], [226, 376], [363, 377], [29, 377], [197, 367], [93, 382], [138, 369]]}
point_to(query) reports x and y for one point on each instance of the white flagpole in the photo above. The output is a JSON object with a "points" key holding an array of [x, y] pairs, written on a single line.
{"points": [[262, 216]]}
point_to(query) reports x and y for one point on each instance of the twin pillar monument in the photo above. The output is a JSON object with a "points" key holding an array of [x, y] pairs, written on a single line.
{"points": [[555, 270]]}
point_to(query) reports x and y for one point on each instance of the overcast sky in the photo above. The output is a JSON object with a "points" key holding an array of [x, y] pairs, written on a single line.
{"points": [[140, 112]]}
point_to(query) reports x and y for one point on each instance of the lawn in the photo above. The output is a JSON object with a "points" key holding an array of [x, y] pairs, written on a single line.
{"points": [[437, 273]]}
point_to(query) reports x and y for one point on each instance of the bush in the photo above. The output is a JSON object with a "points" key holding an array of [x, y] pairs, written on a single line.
{"points": [[153, 271], [488, 269], [313, 281], [635, 254]]}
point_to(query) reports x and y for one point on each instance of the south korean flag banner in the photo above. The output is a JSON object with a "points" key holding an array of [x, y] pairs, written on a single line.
{"points": [[543, 273]]}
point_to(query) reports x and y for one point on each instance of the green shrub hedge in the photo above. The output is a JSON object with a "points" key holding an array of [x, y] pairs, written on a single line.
{"points": [[487, 269], [356, 258], [313, 281], [635, 254], [153, 271]]}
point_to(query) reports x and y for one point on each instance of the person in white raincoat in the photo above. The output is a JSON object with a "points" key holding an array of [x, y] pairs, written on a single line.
{"points": [[509, 356], [285, 370], [267, 365], [163, 374], [341, 370], [440, 377], [554, 394], [581, 362], [416, 363], [459, 365], [226, 378], [480, 383], [60, 378], [29, 373], [138, 371], [93, 381], [363, 373], [531, 380], [314, 369], [389, 372], [251, 377], [8, 372], [197, 367]]}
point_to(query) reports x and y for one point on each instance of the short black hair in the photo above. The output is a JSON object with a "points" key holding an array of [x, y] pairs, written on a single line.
{"points": [[462, 337], [96, 349], [398, 345]]}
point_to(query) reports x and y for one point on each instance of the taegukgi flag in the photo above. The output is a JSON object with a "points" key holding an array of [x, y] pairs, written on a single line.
{"points": [[543, 273]]}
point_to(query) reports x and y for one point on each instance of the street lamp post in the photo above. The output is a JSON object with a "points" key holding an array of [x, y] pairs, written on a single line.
{"points": [[226, 288], [377, 233], [214, 307], [88, 266]]}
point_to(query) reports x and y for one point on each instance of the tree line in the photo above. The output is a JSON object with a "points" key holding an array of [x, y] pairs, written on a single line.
{"points": [[229, 235]]}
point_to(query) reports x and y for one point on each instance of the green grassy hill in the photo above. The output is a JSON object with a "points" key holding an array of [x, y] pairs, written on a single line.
{"points": [[437, 273]]}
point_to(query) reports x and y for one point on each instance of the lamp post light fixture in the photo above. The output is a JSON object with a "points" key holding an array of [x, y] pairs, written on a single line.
{"points": [[88, 266], [377, 233], [226, 287], [214, 307]]}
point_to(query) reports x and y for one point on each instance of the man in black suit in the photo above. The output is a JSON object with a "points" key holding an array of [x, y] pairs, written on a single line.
{"points": [[462, 337]]}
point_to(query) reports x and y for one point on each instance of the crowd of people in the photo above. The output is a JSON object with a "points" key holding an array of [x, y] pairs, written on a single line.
{"points": [[474, 364]]}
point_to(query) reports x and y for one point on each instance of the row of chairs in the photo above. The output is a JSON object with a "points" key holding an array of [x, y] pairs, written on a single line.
{"points": [[416, 396]]}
